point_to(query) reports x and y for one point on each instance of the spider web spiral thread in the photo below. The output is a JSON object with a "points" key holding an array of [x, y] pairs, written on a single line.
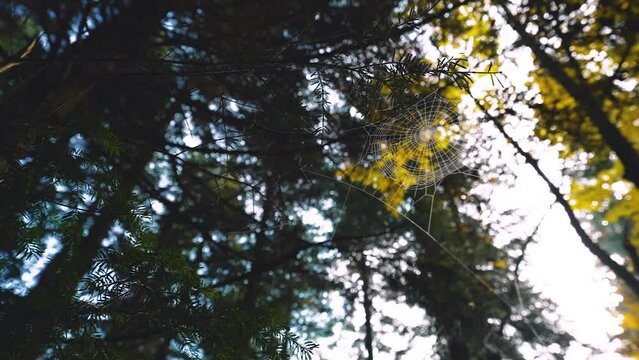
{"points": [[420, 146], [412, 151]]}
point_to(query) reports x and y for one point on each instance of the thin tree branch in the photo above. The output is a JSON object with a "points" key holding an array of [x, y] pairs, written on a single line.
{"points": [[620, 271], [368, 306]]}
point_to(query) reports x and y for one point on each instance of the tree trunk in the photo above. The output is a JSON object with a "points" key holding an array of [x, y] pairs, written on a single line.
{"points": [[368, 308]]}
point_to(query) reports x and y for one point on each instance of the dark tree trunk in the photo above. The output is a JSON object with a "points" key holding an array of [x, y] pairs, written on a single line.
{"points": [[368, 309]]}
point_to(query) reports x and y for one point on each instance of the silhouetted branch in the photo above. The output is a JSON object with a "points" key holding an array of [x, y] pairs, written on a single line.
{"points": [[620, 271]]}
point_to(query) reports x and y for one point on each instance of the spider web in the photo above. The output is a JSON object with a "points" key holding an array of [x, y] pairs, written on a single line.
{"points": [[408, 154], [405, 158], [426, 138]]}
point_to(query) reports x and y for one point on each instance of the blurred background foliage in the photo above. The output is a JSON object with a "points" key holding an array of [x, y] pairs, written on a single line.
{"points": [[157, 199]]}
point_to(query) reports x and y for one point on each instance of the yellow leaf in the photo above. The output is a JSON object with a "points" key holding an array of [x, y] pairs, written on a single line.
{"points": [[500, 264]]}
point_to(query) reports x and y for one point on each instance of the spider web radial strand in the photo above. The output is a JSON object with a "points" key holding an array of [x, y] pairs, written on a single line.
{"points": [[418, 147]]}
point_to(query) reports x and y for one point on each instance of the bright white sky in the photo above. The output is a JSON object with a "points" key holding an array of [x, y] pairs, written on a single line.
{"points": [[557, 264]]}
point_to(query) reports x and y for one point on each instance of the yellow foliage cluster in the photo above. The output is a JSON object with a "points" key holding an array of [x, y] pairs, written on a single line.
{"points": [[630, 311], [599, 197], [392, 194], [626, 111], [595, 196], [500, 264], [560, 120]]}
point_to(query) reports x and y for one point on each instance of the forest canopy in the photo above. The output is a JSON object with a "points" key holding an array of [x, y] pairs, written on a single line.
{"points": [[247, 179]]}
